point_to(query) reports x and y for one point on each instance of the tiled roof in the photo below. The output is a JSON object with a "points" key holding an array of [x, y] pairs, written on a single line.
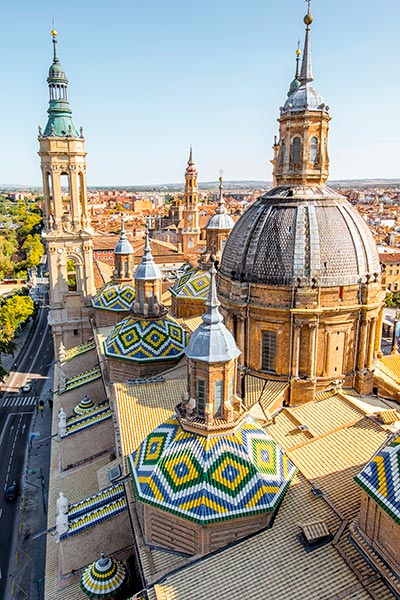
{"points": [[82, 378], [193, 284], [274, 564], [380, 478], [141, 408], [94, 510], [114, 296], [146, 340], [388, 367], [103, 578], [211, 478], [93, 417], [81, 349]]}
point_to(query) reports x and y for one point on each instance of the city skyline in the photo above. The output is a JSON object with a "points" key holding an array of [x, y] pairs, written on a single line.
{"points": [[212, 76]]}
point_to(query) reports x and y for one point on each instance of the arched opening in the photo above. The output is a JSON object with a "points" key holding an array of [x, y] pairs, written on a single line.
{"points": [[314, 150], [71, 275], [65, 192], [282, 153], [295, 155], [81, 194]]}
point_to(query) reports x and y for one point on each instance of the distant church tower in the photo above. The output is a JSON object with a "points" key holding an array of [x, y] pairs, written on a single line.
{"points": [[67, 231], [191, 229]]}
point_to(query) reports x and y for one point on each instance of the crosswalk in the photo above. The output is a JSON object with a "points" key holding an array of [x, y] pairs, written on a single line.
{"points": [[19, 401]]}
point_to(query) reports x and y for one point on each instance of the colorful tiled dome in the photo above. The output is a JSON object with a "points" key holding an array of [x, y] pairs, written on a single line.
{"points": [[211, 478], [118, 297], [146, 340], [193, 284], [103, 578], [380, 478]]}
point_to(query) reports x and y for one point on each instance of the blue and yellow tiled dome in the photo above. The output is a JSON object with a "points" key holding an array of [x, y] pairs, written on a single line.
{"points": [[114, 296], [380, 478], [103, 578], [211, 478], [193, 284], [146, 340]]}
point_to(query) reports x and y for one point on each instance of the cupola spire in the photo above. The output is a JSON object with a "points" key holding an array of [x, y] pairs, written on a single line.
{"points": [[306, 74]]}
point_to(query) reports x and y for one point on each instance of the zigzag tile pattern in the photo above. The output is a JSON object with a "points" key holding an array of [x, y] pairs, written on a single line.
{"points": [[87, 513], [146, 340], [380, 478], [82, 378], [77, 350], [208, 479], [100, 413], [193, 284], [117, 297]]}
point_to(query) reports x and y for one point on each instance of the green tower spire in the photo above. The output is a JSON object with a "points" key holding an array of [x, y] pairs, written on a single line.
{"points": [[60, 114]]}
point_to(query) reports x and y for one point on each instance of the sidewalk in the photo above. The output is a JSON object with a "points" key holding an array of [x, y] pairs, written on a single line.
{"points": [[8, 360], [27, 567]]}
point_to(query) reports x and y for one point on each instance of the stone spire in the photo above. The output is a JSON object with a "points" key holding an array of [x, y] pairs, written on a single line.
{"points": [[60, 114], [217, 230], [123, 257], [306, 74], [148, 279], [212, 364], [301, 154], [296, 81]]}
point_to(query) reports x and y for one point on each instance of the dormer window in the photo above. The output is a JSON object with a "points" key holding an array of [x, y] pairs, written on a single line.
{"points": [[314, 150]]}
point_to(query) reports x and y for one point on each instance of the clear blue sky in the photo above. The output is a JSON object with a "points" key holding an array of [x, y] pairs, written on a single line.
{"points": [[149, 78]]}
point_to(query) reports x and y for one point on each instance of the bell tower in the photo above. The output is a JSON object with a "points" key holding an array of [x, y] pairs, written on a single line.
{"points": [[191, 229], [67, 230], [301, 154]]}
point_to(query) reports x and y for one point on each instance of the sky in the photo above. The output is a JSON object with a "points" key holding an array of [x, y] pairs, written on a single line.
{"points": [[148, 79]]}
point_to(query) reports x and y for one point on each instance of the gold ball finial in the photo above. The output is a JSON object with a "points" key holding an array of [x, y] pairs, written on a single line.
{"points": [[54, 33], [298, 52], [308, 19]]}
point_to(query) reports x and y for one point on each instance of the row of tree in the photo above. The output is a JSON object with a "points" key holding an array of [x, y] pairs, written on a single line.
{"points": [[15, 310]]}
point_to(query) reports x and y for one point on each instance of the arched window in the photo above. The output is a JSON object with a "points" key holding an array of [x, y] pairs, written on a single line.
{"points": [[282, 153], [71, 274], [314, 150], [218, 394], [295, 156], [268, 351], [201, 397]]}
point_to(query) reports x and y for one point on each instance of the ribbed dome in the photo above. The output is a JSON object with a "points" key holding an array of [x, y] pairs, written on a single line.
{"points": [[306, 233], [304, 97]]}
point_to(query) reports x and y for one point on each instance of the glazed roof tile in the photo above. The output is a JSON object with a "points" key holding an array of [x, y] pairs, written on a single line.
{"points": [[193, 284], [380, 478], [146, 340], [82, 378], [141, 408], [115, 297], [93, 417], [210, 478], [77, 350]]}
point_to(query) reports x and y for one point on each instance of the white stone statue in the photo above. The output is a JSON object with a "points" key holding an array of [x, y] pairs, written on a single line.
{"points": [[61, 504], [61, 523], [62, 422]]}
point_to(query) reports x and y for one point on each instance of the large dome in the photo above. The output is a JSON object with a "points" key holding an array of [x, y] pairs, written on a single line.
{"points": [[300, 235]]}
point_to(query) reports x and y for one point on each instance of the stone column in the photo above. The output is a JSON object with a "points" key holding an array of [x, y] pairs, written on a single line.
{"points": [[241, 338], [378, 332], [295, 348], [312, 349], [362, 343], [371, 344]]}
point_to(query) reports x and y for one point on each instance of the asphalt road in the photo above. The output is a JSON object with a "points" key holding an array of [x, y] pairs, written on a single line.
{"points": [[16, 413]]}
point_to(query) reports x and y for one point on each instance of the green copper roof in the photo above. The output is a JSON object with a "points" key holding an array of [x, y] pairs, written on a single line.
{"points": [[60, 114]]}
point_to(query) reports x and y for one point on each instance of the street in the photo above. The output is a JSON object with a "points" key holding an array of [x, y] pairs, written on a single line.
{"points": [[17, 412]]}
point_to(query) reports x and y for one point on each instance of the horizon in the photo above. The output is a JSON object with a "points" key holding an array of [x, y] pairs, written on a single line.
{"points": [[213, 76]]}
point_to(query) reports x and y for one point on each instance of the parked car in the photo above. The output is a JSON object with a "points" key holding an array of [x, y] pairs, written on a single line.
{"points": [[26, 388], [12, 491]]}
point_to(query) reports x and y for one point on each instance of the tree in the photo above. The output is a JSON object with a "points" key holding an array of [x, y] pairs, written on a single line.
{"points": [[34, 249]]}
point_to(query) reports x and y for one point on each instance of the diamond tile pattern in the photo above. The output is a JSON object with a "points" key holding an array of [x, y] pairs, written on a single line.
{"points": [[117, 297], [193, 284], [380, 478], [146, 340], [208, 479]]}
